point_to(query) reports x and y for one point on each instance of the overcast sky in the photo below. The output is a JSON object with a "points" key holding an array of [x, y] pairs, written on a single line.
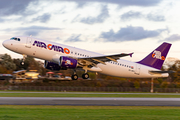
{"points": [[104, 26]]}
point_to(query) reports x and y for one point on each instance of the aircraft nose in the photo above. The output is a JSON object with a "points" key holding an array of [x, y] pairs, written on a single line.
{"points": [[5, 43]]}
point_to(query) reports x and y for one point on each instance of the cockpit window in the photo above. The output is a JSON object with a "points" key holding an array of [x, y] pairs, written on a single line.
{"points": [[14, 38]]}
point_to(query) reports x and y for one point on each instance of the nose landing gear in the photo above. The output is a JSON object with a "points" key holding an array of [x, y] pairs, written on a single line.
{"points": [[22, 62]]}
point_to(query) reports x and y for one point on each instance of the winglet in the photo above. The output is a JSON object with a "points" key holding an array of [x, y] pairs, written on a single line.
{"points": [[131, 54]]}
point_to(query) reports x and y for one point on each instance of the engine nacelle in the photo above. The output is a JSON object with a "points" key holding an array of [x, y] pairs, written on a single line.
{"points": [[51, 66], [65, 63], [68, 63]]}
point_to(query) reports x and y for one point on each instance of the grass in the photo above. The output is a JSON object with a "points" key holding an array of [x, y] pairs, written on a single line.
{"points": [[33, 112], [14, 112], [74, 94]]}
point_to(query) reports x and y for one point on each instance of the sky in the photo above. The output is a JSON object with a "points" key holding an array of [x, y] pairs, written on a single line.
{"points": [[103, 26]]}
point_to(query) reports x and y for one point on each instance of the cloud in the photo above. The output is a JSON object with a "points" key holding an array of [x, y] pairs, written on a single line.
{"points": [[99, 19], [14, 7], [131, 15], [1, 20], [173, 38], [130, 34], [43, 18], [74, 38], [125, 2], [153, 17], [138, 15], [31, 30], [38, 28]]}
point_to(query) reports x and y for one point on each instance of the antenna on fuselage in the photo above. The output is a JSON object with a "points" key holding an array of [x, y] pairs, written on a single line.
{"points": [[30, 36]]}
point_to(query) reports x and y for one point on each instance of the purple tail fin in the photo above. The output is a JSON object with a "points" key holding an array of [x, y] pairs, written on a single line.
{"points": [[156, 58]]}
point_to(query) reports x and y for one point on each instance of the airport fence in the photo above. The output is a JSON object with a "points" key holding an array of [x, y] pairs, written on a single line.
{"points": [[88, 89]]}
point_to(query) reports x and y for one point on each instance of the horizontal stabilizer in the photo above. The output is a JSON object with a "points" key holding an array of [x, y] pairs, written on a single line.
{"points": [[161, 72]]}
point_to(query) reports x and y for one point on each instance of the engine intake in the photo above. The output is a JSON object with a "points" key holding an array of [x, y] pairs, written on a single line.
{"points": [[51, 66]]}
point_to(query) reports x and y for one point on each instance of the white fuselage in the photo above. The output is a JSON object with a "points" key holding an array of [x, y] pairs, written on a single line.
{"points": [[122, 68]]}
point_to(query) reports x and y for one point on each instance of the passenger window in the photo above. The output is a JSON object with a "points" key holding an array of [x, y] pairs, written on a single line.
{"points": [[18, 39]]}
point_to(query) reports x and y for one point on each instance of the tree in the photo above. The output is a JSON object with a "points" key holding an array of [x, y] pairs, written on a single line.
{"points": [[7, 62], [176, 68]]}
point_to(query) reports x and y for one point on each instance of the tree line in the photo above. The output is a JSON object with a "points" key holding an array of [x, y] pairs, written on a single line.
{"points": [[8, 65]]}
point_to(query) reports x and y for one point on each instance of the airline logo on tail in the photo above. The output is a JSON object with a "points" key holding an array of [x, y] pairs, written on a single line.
{"points": [[157, 54]]}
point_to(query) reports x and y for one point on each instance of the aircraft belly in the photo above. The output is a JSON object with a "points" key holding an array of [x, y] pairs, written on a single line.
{"points": [[114, 70]]}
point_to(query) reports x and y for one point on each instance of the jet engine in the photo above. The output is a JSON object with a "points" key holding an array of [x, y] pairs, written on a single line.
{"points": [[69, 63], [51, 66], [64, 63]]}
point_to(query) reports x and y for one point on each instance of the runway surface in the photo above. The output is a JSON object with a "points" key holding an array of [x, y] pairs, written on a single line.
{"points": [[92, 101]]}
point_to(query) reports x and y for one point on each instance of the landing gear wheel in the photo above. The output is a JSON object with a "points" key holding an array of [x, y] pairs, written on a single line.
{"points": [[85, 76], [22, 63], [74, 77]]}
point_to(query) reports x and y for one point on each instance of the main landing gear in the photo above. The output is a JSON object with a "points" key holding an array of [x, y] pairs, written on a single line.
{"points": [[85, 76], [75, 76]]}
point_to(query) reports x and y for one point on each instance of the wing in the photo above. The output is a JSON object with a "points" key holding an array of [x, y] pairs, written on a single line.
{"points": [[93, 61]]}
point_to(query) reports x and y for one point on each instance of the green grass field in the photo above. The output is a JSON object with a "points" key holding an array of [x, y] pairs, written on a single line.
{"points": [[12, 112], [35, 112], [78, 94]]}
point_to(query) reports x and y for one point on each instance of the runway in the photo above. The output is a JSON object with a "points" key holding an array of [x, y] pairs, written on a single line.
{"points": [[92, 101]]}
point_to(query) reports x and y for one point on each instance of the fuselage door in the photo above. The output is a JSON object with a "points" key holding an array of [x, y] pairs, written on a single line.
{"points": [[28, 42], [137, 69]]}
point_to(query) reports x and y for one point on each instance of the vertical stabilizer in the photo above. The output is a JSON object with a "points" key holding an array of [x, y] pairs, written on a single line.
{"points": [[157, 57]]}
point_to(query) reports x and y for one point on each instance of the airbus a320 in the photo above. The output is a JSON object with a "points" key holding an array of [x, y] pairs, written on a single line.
{"points": [[61, 57]]}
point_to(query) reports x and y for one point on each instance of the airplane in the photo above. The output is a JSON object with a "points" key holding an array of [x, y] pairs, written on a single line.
{"points": [[62, 57]]}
